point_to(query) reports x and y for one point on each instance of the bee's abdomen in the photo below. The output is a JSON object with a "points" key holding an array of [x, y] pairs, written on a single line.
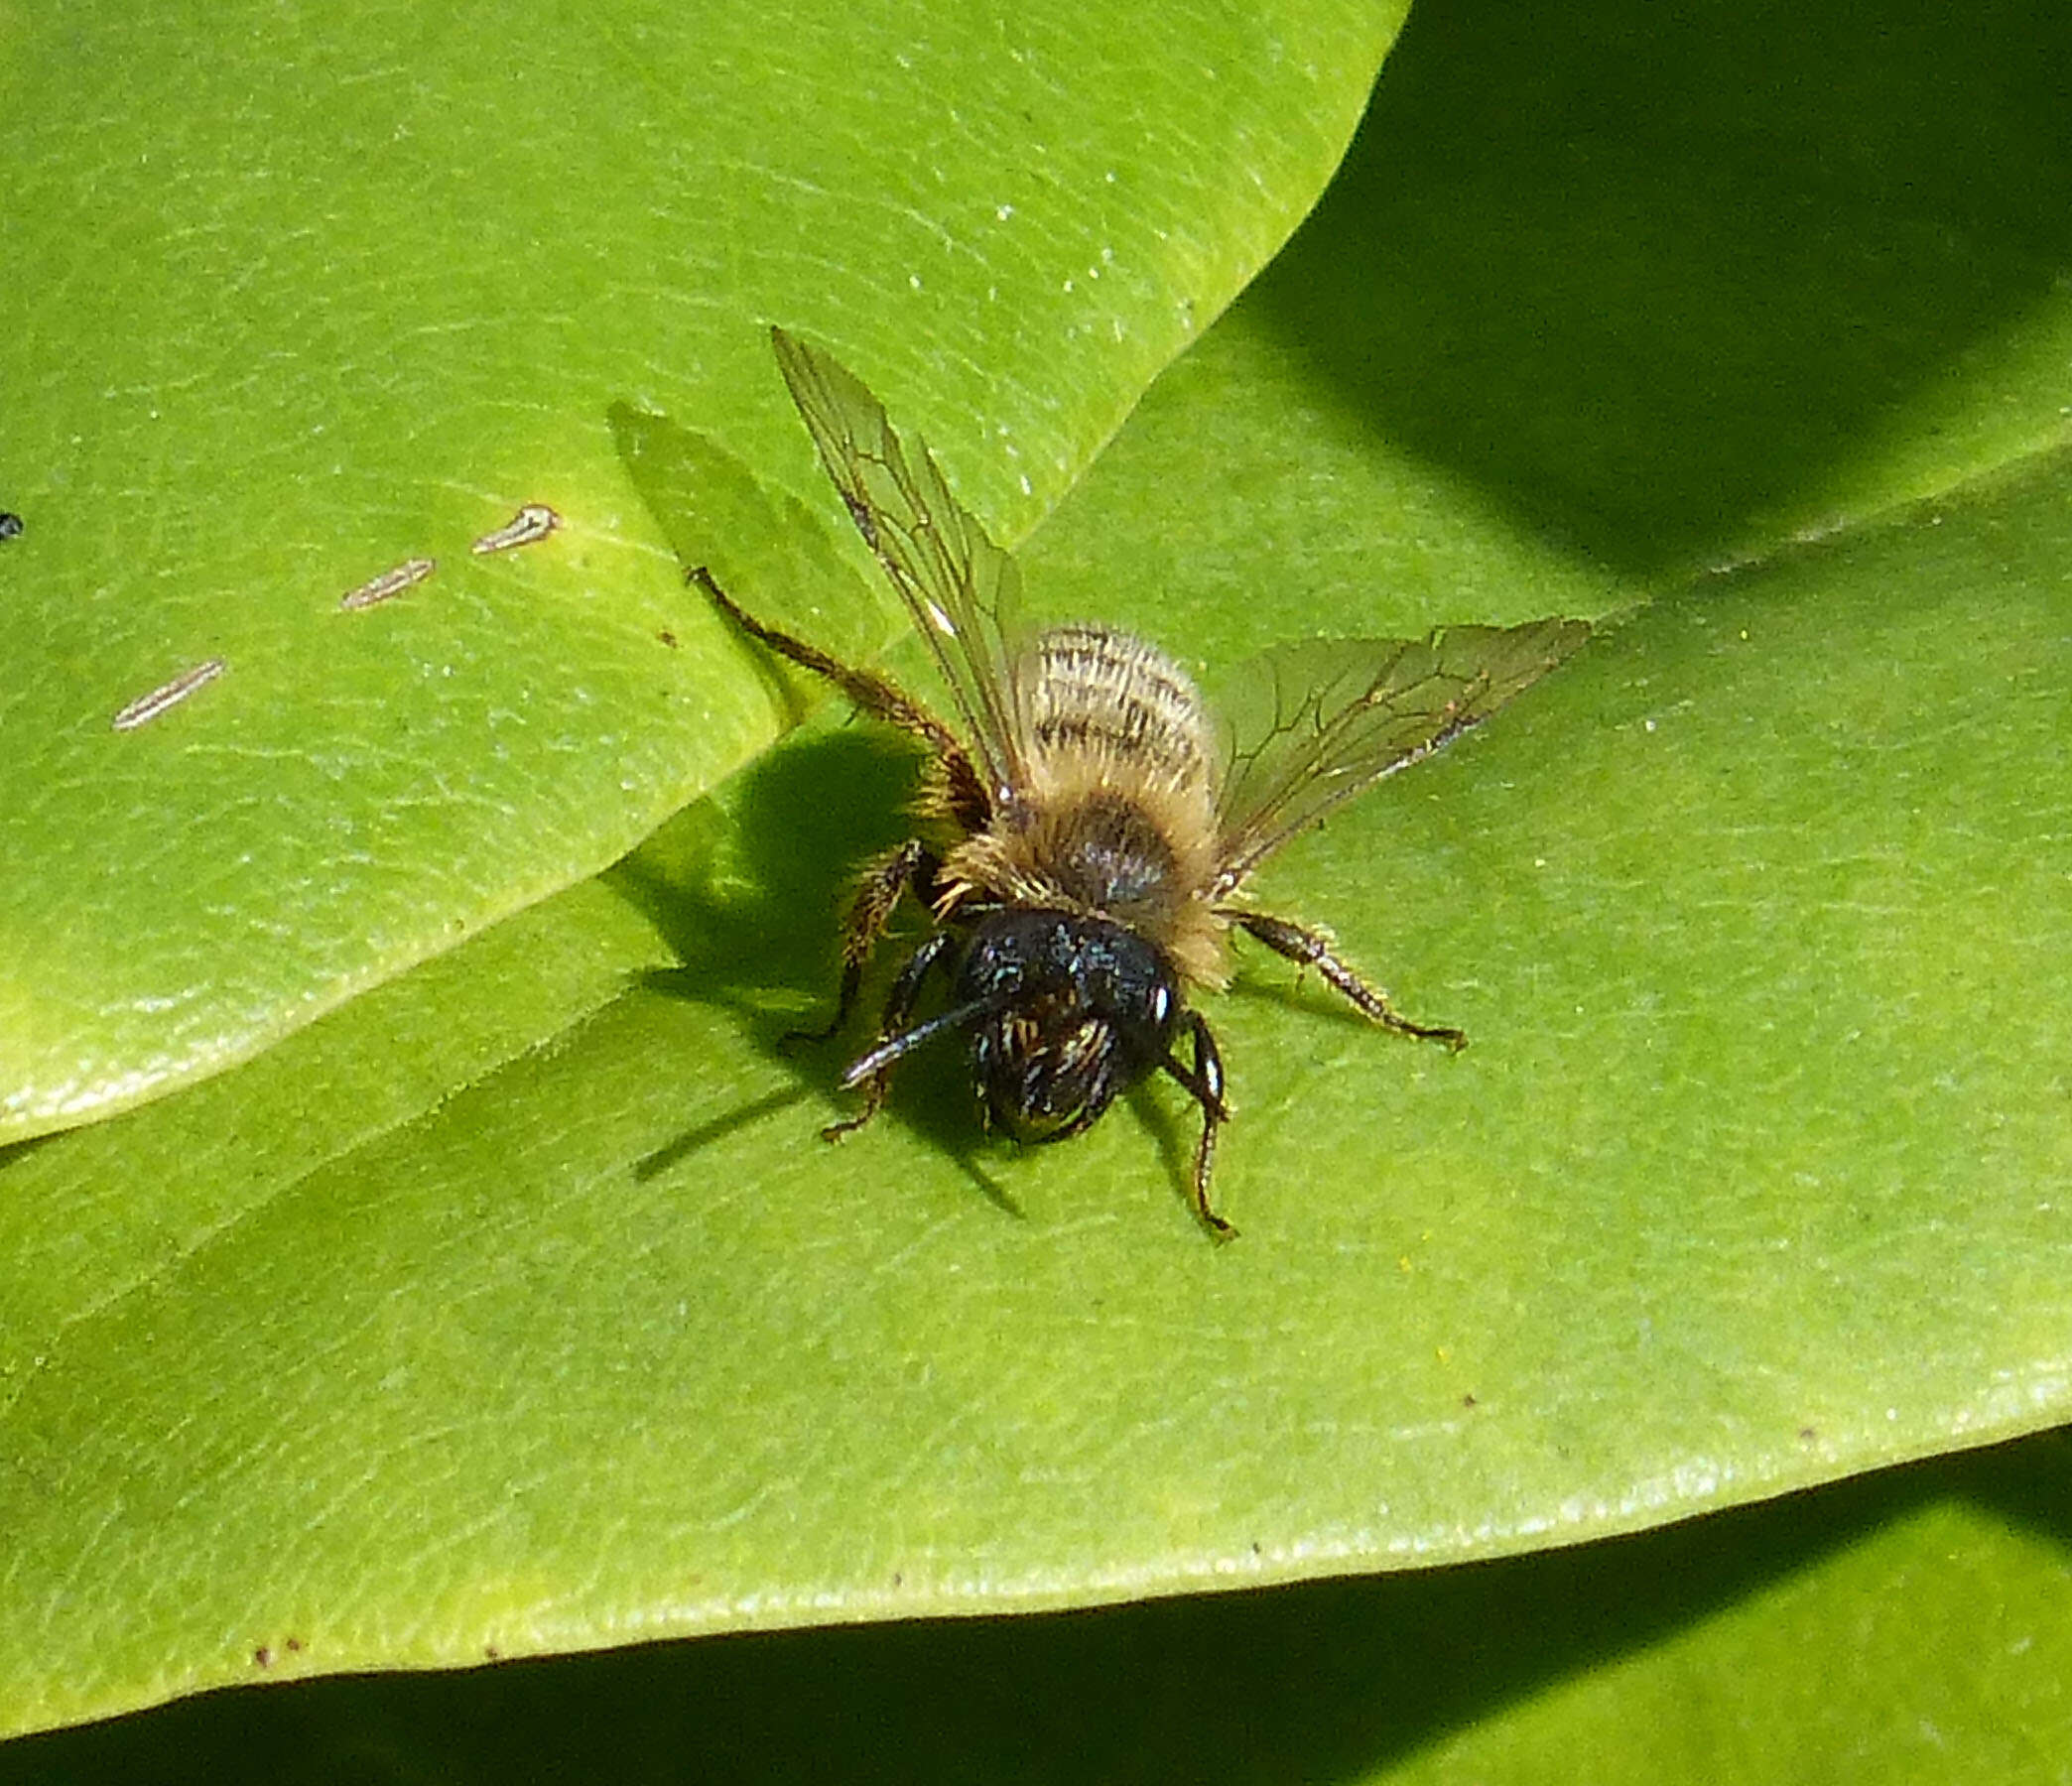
{"points": [[1085, 691]]}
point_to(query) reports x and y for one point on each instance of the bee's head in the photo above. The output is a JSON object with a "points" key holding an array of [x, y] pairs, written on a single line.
{"points": [[1074, 1010]]}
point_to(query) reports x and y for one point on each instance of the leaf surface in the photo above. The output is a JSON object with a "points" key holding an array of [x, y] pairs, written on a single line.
{"points": [[310, 301], [514, 1307]]}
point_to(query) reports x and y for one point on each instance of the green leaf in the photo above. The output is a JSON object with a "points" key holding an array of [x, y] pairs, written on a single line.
{"points": [[525, 1280], [1929, 1600], [329, 298], [514, 1307]]}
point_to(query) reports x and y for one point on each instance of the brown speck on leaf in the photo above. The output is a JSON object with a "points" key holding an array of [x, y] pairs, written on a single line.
{"points": [[1808, 1433], [492, 1653], [1469, 1401], [294, 1646], [667, 638], [262, 1657]]}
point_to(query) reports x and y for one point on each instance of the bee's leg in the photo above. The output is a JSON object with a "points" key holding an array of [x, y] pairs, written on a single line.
{"points": [[1205, 1082], [970, 804], [900, 1008], [1311, 949], [912, 864]]}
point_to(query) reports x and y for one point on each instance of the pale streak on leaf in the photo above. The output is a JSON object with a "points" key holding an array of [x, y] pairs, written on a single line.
{"points": [[147, 707]]}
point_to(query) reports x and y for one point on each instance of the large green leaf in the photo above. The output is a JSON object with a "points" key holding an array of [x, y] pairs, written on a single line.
{"points": [[1904, 1627], [513, 1306], [410, 1347], [295, 295]]}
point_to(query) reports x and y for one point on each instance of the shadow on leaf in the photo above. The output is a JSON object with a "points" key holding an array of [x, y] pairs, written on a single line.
{"points": [[1328, 1680], [750, 896], [1652, 276]]}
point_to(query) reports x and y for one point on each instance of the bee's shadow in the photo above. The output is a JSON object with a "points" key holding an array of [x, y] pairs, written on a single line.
{"points": [[750, 899], [1175, 1130]]}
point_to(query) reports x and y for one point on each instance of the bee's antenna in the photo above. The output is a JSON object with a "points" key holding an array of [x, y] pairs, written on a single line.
{"points": [[896, 1046]]}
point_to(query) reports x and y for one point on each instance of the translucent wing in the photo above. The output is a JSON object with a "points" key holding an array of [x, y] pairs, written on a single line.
{"points": [[960, 589], [1332, 716]]}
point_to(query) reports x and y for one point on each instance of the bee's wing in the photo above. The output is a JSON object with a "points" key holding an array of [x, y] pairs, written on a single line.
{"points": [[1316, 722], [960, 589]]}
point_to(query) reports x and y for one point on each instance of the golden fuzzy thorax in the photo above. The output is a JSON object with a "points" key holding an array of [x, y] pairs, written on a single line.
{"points": [[1113, 805]]}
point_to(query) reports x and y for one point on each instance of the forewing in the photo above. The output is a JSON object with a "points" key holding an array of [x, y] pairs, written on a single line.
{"points": [[1316, 722], [961, 590]]}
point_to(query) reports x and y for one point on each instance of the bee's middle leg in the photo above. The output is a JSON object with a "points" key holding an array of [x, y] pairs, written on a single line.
{"points": [[1312, 949]]}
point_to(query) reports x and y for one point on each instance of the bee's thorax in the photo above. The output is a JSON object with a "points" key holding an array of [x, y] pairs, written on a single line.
{"points": [[1115, 810]]}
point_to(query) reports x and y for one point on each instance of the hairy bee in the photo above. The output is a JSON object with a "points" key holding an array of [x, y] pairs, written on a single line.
{"points": [[1089, 832]]}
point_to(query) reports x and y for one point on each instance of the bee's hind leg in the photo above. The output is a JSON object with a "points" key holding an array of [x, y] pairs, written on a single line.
{"points": [[1205, 1082], [1312, 949], [964, 794]]}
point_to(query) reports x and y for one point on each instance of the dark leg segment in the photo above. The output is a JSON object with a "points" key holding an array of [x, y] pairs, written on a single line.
{"points": [[1205, 1082], [970, 802], [899, 1010], [912, 864], [1312, 949]]}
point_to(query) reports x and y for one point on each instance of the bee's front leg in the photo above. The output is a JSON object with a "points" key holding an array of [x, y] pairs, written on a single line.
{"points": [[1205, 1082], [899, 1009], [912, 864]]}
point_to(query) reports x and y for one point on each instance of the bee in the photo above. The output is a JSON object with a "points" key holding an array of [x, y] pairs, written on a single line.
{"points": [[1087, 836]]}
